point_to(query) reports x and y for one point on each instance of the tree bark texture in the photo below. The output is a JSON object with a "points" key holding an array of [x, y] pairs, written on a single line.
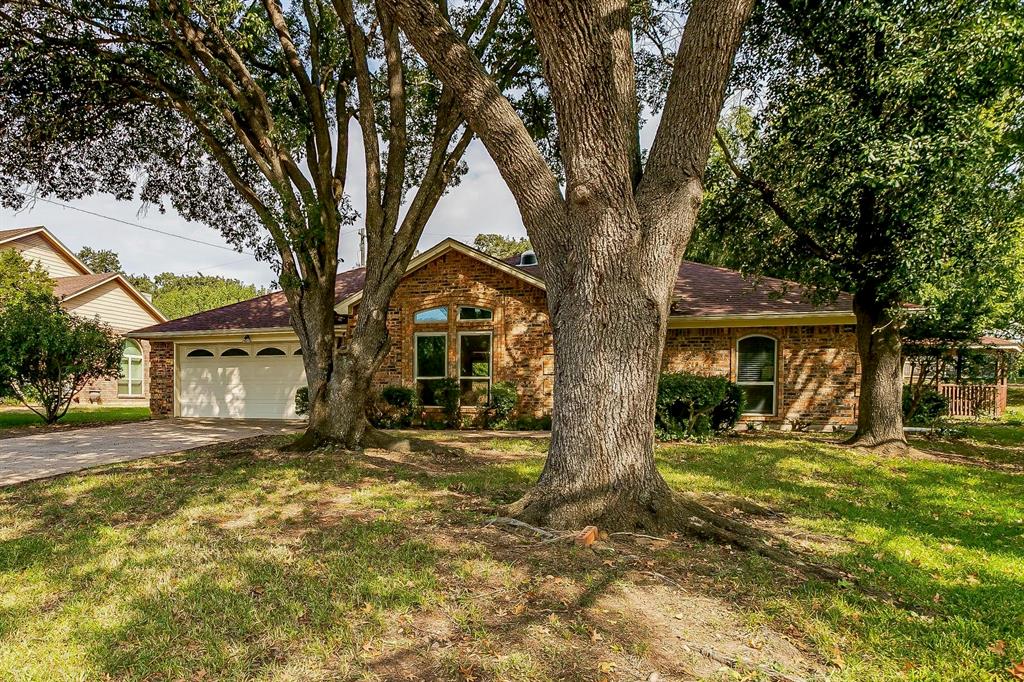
{"points": [[611, 246], [880, 403]]}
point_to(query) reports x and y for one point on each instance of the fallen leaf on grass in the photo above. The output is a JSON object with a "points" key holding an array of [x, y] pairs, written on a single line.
{"points": [[1016, 671], [997, 647]]}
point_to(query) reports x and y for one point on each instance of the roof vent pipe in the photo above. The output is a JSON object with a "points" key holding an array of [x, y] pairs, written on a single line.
{"points": [[528, 258]]}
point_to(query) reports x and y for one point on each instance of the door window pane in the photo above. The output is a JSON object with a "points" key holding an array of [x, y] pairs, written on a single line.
{"points": [[475, 368]]}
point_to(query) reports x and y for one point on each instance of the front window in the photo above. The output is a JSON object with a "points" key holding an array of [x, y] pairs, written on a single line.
{"points": [[130, 383], [755, 374], [475, 368], [431, 365]]}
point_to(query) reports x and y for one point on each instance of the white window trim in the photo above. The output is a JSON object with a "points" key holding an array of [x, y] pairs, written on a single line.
{"points": [[131, 379], [490, 364], [416, 356], [460, 318], [775, 372]]}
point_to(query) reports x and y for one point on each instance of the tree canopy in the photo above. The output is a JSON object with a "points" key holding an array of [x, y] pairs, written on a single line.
{"points": [[501, 246], [878, 153], [180, 295], [47, 355], [100, 260]]}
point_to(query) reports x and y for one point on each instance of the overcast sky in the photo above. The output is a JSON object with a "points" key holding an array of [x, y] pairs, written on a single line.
{"points": [[481, 203]]}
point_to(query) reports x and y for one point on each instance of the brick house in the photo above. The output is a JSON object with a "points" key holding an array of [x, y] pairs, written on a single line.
{"points": [[105, 296], [462, 314]]}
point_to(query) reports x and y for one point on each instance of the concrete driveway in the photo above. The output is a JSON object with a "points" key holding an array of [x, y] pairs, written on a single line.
{"points": [[58, 452]]}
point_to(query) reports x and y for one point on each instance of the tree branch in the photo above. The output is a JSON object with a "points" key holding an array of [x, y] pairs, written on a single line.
{"points": [[771, 200], [487, 110]]}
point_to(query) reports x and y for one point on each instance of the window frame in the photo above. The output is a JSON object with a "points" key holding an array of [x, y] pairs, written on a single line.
{"points": [[277, 352], [416, 356], [774, 383], [130, 378], [200, 353], [490, 362], [243, 353]]}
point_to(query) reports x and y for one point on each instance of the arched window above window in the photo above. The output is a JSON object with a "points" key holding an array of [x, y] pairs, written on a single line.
{"points": [[199, 353], [470, 313], [270, 350], [755, 373], [234, 353], [130, 383], [438, 314]]}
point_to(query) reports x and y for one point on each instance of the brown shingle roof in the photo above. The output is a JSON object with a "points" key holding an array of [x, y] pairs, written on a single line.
{"points": [[700, 291], [705, 290], [263, 312], [16, 232], [69, 286]]}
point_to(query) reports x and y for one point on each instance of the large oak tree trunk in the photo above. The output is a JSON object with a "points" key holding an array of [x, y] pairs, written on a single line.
{"points": [[880, 404], [609, 323]]}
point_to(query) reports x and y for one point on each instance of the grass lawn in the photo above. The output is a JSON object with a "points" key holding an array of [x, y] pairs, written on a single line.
{"points": [[23, 417], [243, 562]]}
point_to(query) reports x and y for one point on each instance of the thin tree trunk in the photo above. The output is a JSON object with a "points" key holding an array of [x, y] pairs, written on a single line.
{"points": [[340, 380], [880, 405]]}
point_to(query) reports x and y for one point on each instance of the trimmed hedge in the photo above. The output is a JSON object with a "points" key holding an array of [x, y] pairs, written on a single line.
{"points": [[690, 406]]}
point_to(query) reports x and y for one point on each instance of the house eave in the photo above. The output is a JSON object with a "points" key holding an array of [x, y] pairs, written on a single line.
{"points": [[201, 334], [761, 320]]}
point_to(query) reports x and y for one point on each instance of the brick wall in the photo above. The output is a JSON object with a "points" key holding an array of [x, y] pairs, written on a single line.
{"points": [[161, 379], [108, 391], [816, 368], [521, 335]]}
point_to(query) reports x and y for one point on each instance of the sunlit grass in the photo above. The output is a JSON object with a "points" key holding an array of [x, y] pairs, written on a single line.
{"points": [[241, 562], [81, 415]]}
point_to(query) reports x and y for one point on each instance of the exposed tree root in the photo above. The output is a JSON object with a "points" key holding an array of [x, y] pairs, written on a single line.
{"points": [[893, 447], [369, 437], [660, 513], [705, 523]]}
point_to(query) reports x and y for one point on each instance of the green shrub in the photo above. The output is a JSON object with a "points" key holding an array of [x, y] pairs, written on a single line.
{"points": [[727, 413], [692, 406], [394, 408], [531, 423], [302, 401], [448, 396], [931, 405], [502, 405]]}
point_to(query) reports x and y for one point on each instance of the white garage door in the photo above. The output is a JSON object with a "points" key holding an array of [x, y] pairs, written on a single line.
{"points": [[239, 382]]}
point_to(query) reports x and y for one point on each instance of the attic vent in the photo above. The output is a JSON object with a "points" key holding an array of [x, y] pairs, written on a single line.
{"points": [[528, 258]]}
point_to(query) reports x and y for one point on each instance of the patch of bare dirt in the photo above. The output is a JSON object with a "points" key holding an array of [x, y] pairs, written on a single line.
{"points": [[690, 636]]}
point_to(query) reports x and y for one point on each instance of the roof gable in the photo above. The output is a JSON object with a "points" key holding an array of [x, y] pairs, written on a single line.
{"points": [[344, 307], [54, 245]]}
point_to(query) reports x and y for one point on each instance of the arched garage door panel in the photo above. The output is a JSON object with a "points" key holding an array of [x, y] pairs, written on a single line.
{"points": [[260, 387]]}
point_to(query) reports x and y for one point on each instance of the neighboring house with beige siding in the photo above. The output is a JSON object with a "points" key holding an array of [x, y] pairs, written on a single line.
{"points": [[108, 297]]}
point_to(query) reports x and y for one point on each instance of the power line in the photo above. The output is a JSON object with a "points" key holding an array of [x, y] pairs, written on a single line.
{"points": [[136, 225]]}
